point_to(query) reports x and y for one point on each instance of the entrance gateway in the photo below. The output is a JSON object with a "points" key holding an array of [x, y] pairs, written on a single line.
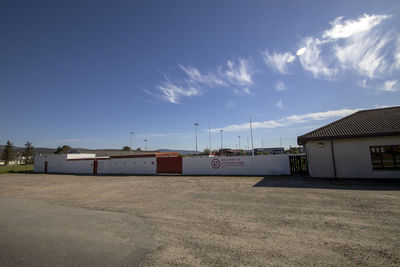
{"points": [[169, 165], [298, 164]]}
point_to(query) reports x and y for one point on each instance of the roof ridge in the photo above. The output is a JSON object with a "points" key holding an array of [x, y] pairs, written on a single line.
{"points": [[325, 126], [365, 122], [378, 108]]}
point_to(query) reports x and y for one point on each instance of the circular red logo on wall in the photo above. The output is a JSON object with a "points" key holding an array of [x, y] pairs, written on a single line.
{"points": [[215, 163]]}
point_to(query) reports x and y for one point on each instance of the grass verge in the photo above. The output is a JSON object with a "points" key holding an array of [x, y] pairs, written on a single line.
{"points": [[16, 168]]}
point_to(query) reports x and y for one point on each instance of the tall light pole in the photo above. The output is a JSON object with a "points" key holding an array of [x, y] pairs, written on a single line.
{"points": [[222, 146], [131, 140], [251, 132], [209, 136], [195, 126], [145, 144], [239, 141]]}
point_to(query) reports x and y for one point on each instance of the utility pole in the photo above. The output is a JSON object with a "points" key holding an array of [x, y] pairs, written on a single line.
{"points": [[209, 136], [131, 141], [239, 141], [222, 147], [251, 132], [195, 126]]}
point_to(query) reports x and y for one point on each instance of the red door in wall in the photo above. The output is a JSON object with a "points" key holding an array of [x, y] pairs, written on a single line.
{"points": [[169, 165], [46, 164], [95, 167]]}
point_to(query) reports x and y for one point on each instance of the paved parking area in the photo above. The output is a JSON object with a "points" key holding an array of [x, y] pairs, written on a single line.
{"points": [[225, 220]]}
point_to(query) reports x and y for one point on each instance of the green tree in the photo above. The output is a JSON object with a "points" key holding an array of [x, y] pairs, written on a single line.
{"points": [[206, 151], [8, 153], [28, 153], [126, 148], [63, 150]]}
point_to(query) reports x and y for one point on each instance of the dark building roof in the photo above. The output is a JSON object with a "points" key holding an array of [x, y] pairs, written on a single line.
{"points": [[364, 123]]}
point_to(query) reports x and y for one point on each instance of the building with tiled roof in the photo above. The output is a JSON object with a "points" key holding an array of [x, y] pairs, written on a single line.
{"points": [[365, 144]]}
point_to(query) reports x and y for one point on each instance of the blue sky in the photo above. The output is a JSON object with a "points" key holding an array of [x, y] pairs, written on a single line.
{"points": [[87, 73]]}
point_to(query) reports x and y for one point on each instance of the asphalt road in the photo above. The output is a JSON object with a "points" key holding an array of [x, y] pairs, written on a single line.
{"points": [[38, 234]]}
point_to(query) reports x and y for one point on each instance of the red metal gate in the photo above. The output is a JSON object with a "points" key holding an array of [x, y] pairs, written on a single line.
{"points": [[95, 167], [169, 164]]}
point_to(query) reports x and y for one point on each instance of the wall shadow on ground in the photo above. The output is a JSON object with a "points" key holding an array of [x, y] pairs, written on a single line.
{"points": [[328, 183]]}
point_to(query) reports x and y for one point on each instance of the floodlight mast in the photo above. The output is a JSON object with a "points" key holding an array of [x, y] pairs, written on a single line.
{"points": [[222, 146], [209, 136], [131, 140], [195, 126]]}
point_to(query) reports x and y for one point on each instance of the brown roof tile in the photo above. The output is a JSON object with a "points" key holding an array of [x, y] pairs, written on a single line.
{"points": [[373, 122]]}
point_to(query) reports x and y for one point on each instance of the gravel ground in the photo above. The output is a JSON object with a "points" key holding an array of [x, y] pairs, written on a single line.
{"points": [[246, 221]]}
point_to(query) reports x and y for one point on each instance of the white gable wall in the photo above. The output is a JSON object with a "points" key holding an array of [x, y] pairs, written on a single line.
{"points": [[352, 157], [55, 162]]}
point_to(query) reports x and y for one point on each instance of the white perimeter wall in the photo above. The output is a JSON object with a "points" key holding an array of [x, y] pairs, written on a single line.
{"points": [[352, 158], [55, 162], [128, 166], [240, 165], [58, 163]]}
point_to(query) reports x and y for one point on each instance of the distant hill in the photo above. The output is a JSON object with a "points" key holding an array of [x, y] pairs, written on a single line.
{"points": [[98, 152], [183, 152]]}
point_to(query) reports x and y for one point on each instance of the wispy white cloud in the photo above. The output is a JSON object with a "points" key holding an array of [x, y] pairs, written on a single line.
{"points": [[363, 48], [280, 86], [242, 91], [239, 73], [278, 61], [235, 73], [195, 76], [279, 104], [348, 28], [363, 53], [288, 120], [391, 86], [363, 83], [174, 93], [396, 55], [312, 61]]}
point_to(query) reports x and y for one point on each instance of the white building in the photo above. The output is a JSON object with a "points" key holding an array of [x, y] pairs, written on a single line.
{"points": [[365, 144]]}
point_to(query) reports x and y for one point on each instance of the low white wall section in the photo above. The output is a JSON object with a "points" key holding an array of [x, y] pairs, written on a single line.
{"points": [[55, 162], [79, 166], [129, 166], [240, 165]]}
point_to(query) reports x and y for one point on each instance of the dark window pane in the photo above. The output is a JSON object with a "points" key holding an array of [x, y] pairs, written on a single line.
{"points": [[388, 160]]}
